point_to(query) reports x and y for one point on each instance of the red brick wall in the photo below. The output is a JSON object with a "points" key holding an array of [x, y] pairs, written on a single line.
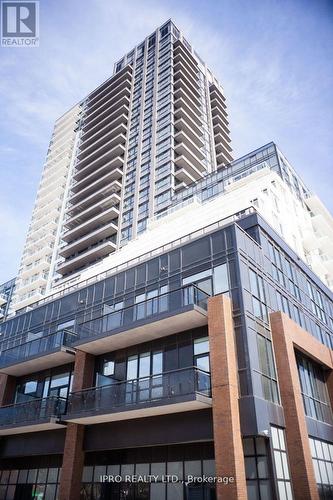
{"points": [[288, 336], [229, 458]]}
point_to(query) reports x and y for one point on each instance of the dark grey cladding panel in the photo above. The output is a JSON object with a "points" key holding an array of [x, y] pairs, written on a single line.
{"points": [[184, 427], [319, 430], [257, 415], [34, 443]]}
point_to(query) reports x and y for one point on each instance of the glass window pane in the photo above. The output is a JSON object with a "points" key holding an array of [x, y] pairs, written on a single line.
{"points": [[265, 490], [201, 346], [132, 367], [127, 469], [175, 468], [193, 468], [252, 490], [87, 474], [220, 277], [50, 492], [100, 470], [209, 467], [275, 438], [157, 490], [261, 446], [142, 469], [248, 446], [53, 475], [144, 364], [282, 490], [158, 469], [108, 368], [157, 362], [250, 468], [262, 467], [175, 491], [278, 465]]}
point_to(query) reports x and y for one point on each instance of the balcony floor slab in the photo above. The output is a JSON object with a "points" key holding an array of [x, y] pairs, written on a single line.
{"points": [[140, 410]]}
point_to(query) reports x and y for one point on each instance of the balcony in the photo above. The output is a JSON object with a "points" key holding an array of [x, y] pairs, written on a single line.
{"points": [[114, 147], [180, 52], [89, 201], [182, 138], [111, 99], [105, 203], [32, 416], [100, 127], [38, 354], [3, 299], [223, 158], [108, 131], [93, 223], [163, 315], [182, 110], [122, 106], [108, 168], [221, 138], [169, 392], [89, 255], [191, 129], [184, 177], [187, 95], [90, 238], [111, 158], [183, 162], [109, 85], [93, 187], [220, 124]]}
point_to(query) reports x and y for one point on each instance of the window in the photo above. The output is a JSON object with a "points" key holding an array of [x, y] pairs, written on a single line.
{"points": [[164, 30], [147, 367], [142, 224], [314, 389], [322, 459], [26, 391], [317, 305], [281, 463], [108, 368], [220, 279], [202, 363], [267, 369], [258, 296], [257, 469]]}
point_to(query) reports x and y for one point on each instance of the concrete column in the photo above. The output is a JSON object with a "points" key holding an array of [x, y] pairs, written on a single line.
{"points": [[73, 458], [229, 457], [286, 334], [7, 389]]}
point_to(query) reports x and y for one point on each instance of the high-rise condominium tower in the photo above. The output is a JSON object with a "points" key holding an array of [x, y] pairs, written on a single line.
{"points": [[156, 126], [185, 336]]}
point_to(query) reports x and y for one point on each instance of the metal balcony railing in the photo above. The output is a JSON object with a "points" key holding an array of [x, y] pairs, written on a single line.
{"points": [[165, 303], [32, 411], [163, 388], [40, 346]]}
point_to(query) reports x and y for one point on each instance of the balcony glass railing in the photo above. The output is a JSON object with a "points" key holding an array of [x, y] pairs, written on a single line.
{"points": [[40, 346], [164, 388], [32, 411], [165, 303]]}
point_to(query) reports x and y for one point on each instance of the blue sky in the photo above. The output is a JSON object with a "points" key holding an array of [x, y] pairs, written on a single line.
{"points": [[273, 57]]}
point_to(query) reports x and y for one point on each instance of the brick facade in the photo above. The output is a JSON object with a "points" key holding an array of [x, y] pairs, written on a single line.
{"points": [[73, 458], [7, 389], [288, 337], [229, 458]]}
